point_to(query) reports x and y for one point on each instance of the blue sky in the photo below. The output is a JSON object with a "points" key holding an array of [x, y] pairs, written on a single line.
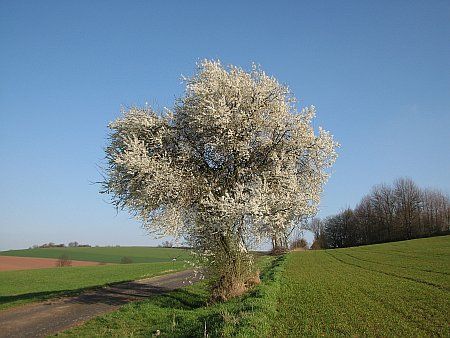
{"points": [[377, 71]]}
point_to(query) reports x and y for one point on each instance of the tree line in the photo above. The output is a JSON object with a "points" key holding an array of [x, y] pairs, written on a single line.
{"points": [[394, 212], [62, 245]]}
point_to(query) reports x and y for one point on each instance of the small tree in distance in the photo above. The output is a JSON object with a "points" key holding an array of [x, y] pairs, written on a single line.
{"points": [[126, 260], [299, 243], [167, 244], [234, 162], [63, 261]]}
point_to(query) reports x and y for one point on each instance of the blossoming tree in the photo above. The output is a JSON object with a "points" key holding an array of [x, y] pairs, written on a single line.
{"points": [[232, 163]]}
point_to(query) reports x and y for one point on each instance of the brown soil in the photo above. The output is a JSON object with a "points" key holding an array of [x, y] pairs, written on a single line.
{"points": [[26, 263]]}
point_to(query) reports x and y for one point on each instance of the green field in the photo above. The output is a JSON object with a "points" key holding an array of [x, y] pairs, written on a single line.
{"points": [[18, 287], [105, 254], [394, 289]]}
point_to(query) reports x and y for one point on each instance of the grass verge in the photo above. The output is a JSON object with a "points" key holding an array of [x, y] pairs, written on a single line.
{"points": [[185, 313]]}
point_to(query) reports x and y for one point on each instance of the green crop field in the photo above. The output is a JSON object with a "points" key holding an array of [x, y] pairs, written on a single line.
{"points": [[394, 289], [18, 287], [105, 254]]}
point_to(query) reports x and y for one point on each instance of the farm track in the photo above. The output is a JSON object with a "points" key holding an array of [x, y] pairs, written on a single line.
{"points": [[50, 317]]}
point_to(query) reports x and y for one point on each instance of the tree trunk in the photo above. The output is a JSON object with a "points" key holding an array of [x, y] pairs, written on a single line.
{"points": [[233, 269]]}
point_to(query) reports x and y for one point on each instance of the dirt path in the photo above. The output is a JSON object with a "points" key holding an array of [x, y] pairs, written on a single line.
{"points": [[42, 319]]}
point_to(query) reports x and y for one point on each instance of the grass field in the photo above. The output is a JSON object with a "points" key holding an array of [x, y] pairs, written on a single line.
{"points": [[394, 289], [105, 254], [18, 287]]}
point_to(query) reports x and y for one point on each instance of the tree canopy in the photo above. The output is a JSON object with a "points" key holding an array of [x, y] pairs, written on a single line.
{"points": [[232, 163]]}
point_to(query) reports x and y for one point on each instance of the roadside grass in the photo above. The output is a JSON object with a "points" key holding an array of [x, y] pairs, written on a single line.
{"points": [[186, 313], [137, 254], [24, 286], [394, 289]]}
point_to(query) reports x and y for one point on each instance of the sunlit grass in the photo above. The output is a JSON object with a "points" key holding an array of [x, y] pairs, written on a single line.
{"points": [[18, 287], [395, 289]]}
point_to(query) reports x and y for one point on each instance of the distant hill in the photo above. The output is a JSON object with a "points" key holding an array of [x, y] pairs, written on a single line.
{"points": [[137, 254]]}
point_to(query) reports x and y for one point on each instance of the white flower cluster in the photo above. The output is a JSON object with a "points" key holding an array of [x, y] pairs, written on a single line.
{"points": [[234, 157]]}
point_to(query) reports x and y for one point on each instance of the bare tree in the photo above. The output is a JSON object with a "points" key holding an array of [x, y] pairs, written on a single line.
{"points": [[63, 261], [365, 217], [390, 213], [435, 211], [383, 204], [317, 227], [407, 195]]}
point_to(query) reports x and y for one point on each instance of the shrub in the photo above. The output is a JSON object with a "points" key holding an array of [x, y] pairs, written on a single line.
{"points": [[319, 243], [126, 260], [167, 244], [299, 243], [278, 250], [63, 260], [316, 245]]}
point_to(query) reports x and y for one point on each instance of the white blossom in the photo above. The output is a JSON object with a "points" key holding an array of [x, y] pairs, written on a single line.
{"points": [[234, 157]]}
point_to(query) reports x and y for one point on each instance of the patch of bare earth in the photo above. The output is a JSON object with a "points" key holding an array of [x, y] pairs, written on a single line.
{"points": [[26, 263]]}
